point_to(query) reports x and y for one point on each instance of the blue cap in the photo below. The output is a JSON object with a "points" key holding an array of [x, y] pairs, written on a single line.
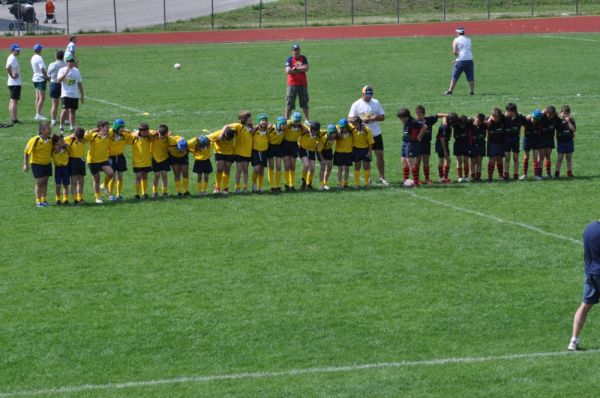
{"points": [[37, 48], [343, 123], [296, 116], [295, 47], [203, 140], [182, 145], [15, 47], [280, 122], [536, 114]]}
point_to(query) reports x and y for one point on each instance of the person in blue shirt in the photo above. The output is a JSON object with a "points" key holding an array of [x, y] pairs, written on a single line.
{"points": [[591, 284]]}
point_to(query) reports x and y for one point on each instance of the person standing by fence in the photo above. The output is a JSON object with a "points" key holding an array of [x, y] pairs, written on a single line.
{"points": [[50, 9], [461, 47]]}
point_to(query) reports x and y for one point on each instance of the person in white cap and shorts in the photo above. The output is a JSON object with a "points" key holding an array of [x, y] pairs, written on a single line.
{"points": [[461, 47]]}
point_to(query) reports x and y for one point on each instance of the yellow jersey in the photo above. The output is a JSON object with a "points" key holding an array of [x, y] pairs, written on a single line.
{"points": [[260, 141], [324, 142], [172, 140], [76, 147], [293, 132], [343, 142], [308, 142], [116, 145], [276, 136], [222, 146], [39, 150], [98, 149], [141, 155], [199, 153], [60, 158], [243, 140], [362, 139], [160, 148]]}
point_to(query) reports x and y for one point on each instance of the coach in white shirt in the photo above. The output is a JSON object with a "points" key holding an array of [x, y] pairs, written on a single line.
{"points": [[14, 81], [370, 111], [461, 47]]}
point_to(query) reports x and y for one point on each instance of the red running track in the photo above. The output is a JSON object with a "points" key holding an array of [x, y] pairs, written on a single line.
{"points": [[490, 27]]}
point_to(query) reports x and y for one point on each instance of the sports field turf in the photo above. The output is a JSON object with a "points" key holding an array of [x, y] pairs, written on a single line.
{"points": [[461, 290]]}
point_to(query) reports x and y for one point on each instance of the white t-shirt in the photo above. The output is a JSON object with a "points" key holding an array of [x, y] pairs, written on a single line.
{"points": [[69, 86], [14, 63], [37, 64], [463, 45], [54, 68], [70, 50], [362, 109]]}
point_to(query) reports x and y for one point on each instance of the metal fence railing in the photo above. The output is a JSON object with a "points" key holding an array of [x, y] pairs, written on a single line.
{"points": [[77, 16]]}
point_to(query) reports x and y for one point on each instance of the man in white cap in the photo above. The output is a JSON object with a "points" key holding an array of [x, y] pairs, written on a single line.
{"points": [[370, 111], [461, 47], [14, 81]]}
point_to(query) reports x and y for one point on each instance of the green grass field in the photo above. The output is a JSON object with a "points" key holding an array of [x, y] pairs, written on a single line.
{"points": [[269, 295]]}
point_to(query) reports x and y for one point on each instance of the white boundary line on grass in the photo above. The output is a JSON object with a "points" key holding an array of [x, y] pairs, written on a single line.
{"points": [[287, 373], [494, 218], [114, 104], [569, 38]]}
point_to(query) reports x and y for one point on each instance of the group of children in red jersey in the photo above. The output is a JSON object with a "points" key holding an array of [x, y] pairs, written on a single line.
{"points": [[268, 146]]}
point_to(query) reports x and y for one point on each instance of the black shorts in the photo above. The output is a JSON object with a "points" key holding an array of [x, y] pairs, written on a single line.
{"points": [[361, 155], [477, 150], [182, 160], [259, 158], [97, 167], [55, 90], [225, 158], [327, 154], [275, 151], [142, 169], [76, 167], [239, 158], [41, 170], [425, 147], [378, 145], [203, 166], [546, 143], [290, 148], [460, 149], [303, 153], [165, 165], [342, 158], [61, 175], [70, 103], [439, 148], [118, 163], [15, 92], [511, 144]]}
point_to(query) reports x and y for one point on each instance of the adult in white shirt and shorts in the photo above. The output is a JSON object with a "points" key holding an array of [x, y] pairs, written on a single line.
{"points": [[39, 80], [370, 111], [71, 91], [55, 88], [461, 47], [14, 81]]}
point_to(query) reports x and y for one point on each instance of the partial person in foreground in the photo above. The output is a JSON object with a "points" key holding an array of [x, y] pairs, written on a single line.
{"points": [[461, 47], [591, 283]]}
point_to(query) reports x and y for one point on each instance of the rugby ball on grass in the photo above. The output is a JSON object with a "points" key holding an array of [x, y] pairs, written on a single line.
{"points": [[408, 183]]}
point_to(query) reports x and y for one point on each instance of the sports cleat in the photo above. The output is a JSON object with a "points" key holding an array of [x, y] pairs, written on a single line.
{"points": [[145, 196], [53, 123], [326, 187], [165, 195], [186, 193], [303, 185], [99, 201], [39, 204], [112, 198], [523, 177], [447, 92], [489, 180], [39, 117], [225, 191], [573, 346], [384, 182], [217, 191], [58, 203], [179, 193], [538, 177], [119, 197], [428, 182], [237, 190], [471, 93], [460, 179], [155, 195]]}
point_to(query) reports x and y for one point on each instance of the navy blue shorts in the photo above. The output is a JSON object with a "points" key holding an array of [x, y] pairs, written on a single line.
{"points": [[303, 153], [531, 143], [55, 90], [440, 150], [327, 154], [142, 169], [76, 167], [203, 166], [342, 158], [41, 170], [70, 103], [495, 149], [410, 149], [62, 175], [476, 150], [566, 147], [275, 151], [361, 155], [239, 158], [425, 148], [378, 145], [97, 167], [546, 143], [259, 158], [182, 160], [165, 165], [460, 149], [225, 158], [290, 148], [591, 289], [463, 66], [118, 163], [511, 144]]}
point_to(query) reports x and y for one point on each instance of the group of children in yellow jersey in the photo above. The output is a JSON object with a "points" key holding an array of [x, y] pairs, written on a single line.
{"points": [[159, 151]]}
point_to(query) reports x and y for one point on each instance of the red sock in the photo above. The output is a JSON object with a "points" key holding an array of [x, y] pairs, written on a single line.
{"points": [[478, 175], [441, 171], [525, 165], [405, 172], [467, 170], [426, 171], [459, 171], [505, 173], [500, 166], [537, 170], [446, 170], [415, 174], [490, 169], [548, 165], [570, 173]]}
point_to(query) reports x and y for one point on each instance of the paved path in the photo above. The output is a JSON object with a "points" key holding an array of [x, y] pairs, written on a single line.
{"points": [[98, 15]]}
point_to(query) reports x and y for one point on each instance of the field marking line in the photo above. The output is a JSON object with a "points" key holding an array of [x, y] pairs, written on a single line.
{"points": [[114, 104], [569, 38], [290, 372], [495, 218]]}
